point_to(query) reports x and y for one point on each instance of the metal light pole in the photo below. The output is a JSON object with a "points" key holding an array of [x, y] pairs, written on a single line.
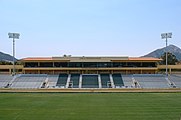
{"points": [[14, 36], [166, 36]]}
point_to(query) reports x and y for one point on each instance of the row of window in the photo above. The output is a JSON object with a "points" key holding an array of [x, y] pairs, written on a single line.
{"points": [[90, 64]]}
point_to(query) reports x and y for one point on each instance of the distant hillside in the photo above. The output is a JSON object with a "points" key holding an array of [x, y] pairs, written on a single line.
{"points": [[6, 57], [171, 48]]}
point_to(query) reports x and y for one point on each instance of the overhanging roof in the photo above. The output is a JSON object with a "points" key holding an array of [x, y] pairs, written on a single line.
{"points": [[89, 59]]}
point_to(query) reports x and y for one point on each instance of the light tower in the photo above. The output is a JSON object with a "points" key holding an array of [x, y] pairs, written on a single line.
{"points": [[166, 36], [14, 36]]}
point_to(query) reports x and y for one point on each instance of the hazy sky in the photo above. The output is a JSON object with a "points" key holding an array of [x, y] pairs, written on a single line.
{"points": [[88, 27]]}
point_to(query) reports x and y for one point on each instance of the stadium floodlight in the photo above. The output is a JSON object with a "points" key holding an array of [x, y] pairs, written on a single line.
{"points": [[14, 36], [166, 36]]}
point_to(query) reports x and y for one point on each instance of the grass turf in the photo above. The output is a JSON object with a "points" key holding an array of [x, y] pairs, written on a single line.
{"points": [[90, 106]]}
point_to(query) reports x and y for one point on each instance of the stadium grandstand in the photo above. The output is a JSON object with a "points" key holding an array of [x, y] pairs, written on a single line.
{"points": [[90, 65], [89, 72]]}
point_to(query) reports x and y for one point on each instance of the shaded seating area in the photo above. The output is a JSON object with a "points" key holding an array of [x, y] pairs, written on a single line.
{"points": [[118, 81], [90, 81], [5, 80], [62, 80], [152, 80], [74, 80], [29, 81], [105, 81]]}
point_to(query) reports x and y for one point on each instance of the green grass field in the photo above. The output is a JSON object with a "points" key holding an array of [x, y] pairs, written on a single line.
{"points": [[90, 106]]}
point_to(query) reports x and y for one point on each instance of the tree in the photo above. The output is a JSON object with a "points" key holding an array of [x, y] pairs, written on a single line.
{"points": [[5, 63], [10, 63], [171, 59]]}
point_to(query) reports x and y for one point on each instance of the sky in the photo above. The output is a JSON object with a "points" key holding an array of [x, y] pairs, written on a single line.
{"points": [[88, 27]]}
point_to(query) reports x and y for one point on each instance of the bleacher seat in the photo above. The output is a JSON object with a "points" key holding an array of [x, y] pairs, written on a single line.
{"points": [[152, 80], [29, 81], [62, 80], [4, 80], [75, 80], [118, 81], [128, 82], [105, 80], [90, 81], [176, 79], [34, 81], [52, 81]]}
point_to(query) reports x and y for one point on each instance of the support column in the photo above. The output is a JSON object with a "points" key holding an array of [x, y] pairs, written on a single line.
{"points": [[9, 70], [170, 70], [99, 81], [111, 80], [80, 81], [68, 81]]}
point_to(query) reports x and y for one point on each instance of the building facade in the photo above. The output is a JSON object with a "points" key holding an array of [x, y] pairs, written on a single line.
{"points": [[89, 65]]}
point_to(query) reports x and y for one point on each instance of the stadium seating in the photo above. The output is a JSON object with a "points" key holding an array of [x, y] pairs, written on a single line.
{"points": [[29, 81], [128, 82], [176, 79], [75, 80], [52, 81], [118, 81], [5, 80], [34, 81], [90, 81], [62, 80], [151, 80], [105, 80]]}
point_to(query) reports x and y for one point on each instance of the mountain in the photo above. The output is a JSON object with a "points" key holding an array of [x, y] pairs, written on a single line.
{"points": [[6, 57], [171, 48]]}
